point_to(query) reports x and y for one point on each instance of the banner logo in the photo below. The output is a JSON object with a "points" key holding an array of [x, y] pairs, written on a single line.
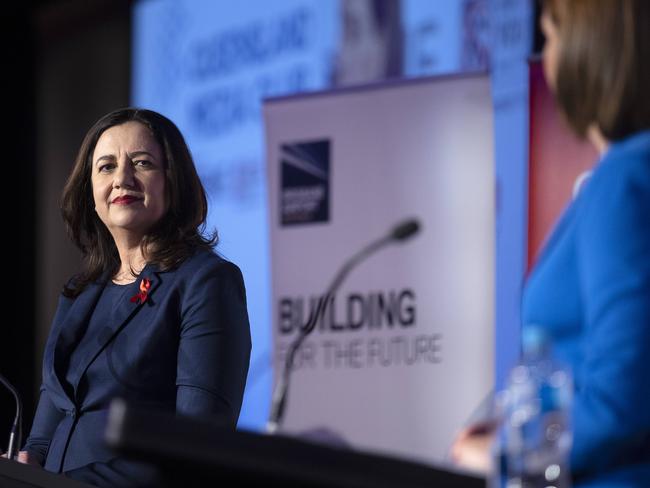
{"points": [[305, 181]]}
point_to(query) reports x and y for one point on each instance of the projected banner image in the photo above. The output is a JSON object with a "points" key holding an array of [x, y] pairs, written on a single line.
{"points": [[207, 65], [404, 351]]}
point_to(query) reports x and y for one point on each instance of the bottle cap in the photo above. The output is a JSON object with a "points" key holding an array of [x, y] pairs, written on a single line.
{"points": [[534, 340]]}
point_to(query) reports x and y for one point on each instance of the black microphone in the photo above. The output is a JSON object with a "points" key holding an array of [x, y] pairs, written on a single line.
{"points": [[405, 230], [16, 431], [400, 232]]}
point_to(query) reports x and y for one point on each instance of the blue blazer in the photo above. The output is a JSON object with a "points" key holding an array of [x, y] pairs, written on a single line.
{"points": [[591, 290], [185, 349]]}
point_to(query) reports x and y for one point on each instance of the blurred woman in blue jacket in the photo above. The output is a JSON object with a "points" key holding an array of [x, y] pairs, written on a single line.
{"points": [[590, 288]]}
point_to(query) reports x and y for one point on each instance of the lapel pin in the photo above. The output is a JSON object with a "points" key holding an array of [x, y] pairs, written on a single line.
{"points": [[143, 294]]}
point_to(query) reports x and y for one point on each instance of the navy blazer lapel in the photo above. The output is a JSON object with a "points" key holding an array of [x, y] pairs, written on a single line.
{"points": [[71, 329], [122, 315]]}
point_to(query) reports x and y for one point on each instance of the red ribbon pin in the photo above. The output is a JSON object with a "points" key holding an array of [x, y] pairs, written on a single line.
{"points": [[143, 294]]}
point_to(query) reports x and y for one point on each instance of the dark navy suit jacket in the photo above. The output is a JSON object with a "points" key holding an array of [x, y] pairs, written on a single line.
{"points": [[185, 349], [591, 291]]}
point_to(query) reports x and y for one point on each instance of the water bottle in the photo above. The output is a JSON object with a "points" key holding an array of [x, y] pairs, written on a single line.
{"points": [[534, 439]]}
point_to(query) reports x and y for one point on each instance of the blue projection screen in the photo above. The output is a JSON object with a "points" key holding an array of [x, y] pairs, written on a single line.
{"points": [[208, 64]]}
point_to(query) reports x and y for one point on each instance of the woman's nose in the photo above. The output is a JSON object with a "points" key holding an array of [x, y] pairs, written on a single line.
{"points": [[123, 176]]}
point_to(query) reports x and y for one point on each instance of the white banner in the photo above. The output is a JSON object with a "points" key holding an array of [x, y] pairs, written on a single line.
{"points": [[406, 353]]}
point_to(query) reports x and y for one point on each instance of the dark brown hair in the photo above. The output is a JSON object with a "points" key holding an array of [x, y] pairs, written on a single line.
{"points": [[177, 235], [603, 71]]}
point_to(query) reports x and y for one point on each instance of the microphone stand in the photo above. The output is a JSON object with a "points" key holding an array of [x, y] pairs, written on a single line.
{"points": [[400, 232], [16, 430]]}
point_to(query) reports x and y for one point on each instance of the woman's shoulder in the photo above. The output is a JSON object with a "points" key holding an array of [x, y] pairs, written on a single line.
{"points": [[613, 205], [205, 273], [628, 158], [637, 144], [623, 174], [207, 261]]}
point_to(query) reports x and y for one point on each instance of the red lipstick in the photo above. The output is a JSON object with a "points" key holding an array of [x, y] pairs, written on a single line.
{"points": [[125, 200]]}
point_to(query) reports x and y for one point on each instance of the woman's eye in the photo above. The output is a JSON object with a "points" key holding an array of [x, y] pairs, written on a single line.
{"points": [[142, 163], [105, 168]]}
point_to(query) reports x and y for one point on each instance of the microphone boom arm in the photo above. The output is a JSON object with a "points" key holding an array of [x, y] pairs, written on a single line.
{"points": [[280, 393], [16, 428]]}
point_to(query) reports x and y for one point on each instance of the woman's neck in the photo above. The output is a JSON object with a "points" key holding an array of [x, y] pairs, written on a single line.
{"points": [[595, 136], [132, 259]]}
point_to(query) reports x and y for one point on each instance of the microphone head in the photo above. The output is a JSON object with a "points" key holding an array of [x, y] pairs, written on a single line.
{"points": [[405, 230]]}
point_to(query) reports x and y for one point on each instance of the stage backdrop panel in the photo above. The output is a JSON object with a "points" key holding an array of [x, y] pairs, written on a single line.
{"points": [[406, 353]]}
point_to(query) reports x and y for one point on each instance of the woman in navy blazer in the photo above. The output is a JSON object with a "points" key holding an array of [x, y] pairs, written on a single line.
{"points": [[590, 288], [154, 317]]}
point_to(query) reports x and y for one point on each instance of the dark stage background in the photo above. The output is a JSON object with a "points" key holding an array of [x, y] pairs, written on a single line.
{"points": [[66, 63]]}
